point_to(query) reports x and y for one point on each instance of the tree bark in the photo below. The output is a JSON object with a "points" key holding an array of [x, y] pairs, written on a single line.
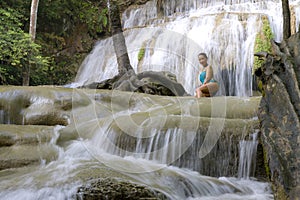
{"points": [[286, 19], [32, 33], [26, 74], [118, 38], [33, 18]]}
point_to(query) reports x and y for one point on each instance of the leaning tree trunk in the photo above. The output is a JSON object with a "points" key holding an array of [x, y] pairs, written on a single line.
{"points": [[118, 38], [286, 19]]}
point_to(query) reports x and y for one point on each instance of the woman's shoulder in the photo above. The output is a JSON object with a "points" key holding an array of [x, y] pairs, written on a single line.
{"points": [[209, 67]]}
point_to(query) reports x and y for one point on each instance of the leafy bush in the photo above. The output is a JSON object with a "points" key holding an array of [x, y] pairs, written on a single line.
{"points": [[263, 41], [17, 51]]}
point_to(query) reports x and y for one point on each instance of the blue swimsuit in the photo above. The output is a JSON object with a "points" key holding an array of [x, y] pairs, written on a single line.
{"points": [[202, 77]]}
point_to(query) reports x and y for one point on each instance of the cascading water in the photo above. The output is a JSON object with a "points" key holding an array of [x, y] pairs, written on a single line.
{"points": [[168, 35], [247, 159], [93, 153], [57, 180]]}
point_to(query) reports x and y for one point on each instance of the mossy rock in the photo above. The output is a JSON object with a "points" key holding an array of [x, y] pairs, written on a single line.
{"points": [[113, 189]]}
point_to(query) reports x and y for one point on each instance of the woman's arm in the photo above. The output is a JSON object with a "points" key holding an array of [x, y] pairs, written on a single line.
{"points": [[198, 82], [209, 74]]}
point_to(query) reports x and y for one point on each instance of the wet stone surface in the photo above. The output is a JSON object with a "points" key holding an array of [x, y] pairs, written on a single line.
{"points": [[108, 188]]}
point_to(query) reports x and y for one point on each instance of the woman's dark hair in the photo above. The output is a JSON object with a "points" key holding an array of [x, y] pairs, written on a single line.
{"points": [[202, 54]]}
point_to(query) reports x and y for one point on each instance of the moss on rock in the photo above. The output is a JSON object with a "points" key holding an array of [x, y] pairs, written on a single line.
{"points": [[109, 188], [262, 41]]}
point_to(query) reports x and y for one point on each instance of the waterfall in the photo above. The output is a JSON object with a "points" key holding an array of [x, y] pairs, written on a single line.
{"points": [[57, 180], [4, 118], [61, 179], [169, 35], [247, 159]]}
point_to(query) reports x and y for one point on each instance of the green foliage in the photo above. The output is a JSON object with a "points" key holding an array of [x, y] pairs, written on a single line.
{"points": [[141, 54], [66, 31], [263, 42], [16, 47], [64, 16], [95, 18], [65, 20], [10, 75], [21, 6], [260, 87]]}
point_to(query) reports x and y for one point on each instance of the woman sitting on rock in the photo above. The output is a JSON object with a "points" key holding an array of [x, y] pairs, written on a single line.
{"points": [[208, 85]]}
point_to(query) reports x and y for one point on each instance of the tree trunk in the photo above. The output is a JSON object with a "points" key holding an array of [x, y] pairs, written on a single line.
{"points": [[32, 31], [159, 83], [26, 74], [33, 18], [286, 19], [118, 38]]}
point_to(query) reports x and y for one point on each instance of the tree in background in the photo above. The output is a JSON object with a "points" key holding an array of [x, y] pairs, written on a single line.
{"points": [[16, 48], [32, 32], [33, 18], [67, 31]]}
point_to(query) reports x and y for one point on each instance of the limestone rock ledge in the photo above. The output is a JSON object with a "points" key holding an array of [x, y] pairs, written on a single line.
{"points": [[37, 123], [31, 114]]}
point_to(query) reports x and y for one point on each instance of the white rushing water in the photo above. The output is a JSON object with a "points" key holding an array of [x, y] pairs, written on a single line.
{"points": [[247, 161], [225, 30], [60, 179]]}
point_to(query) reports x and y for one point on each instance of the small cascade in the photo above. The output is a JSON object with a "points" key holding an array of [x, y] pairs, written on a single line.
{"points": [[247, 160], [156, 134], [163, 147], [10, 108], [4, 117], [8, 114], [176, 147]]}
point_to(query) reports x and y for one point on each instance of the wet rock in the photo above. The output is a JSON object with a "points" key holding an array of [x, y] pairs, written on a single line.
{"points": [[108, 188], [279, 116], [38, 105], [23, 155], [19, 135], [149, 82], [26, 145]]}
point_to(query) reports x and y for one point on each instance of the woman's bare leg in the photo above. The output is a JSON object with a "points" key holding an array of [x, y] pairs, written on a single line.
{"points": [[209, 89], [198, 93]]}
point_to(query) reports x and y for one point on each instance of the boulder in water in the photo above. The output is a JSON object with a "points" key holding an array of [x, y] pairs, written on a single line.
{"points": [[109, 188], [149, 82]]}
